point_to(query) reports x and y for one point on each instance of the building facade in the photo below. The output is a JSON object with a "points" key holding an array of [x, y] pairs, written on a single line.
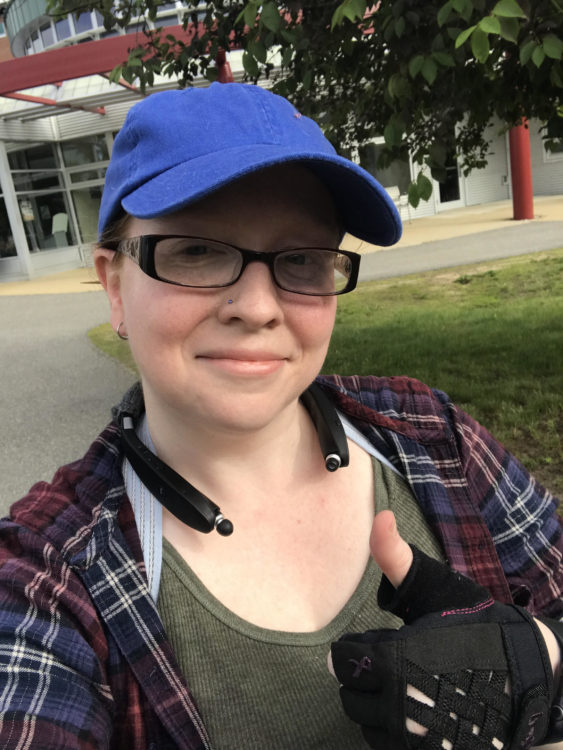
{"points": [[56, 140]]}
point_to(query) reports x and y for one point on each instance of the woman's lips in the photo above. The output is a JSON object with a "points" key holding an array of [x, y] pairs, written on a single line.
{"points": [[245, 363]]}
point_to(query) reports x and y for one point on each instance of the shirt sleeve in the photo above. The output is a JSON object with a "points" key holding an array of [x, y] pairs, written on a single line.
{"points": [[520, 514], [53, 689]]}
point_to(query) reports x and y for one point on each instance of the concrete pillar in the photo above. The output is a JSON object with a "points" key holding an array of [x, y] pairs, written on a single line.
{"points": [[14, 215], [521, 170]]}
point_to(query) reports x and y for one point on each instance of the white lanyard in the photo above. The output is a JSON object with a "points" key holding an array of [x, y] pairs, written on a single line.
{"points": [[148, 510]]}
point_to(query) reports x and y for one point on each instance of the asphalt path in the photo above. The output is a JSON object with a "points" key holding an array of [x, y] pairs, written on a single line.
{"points": [[471, 248], [58, 388]]}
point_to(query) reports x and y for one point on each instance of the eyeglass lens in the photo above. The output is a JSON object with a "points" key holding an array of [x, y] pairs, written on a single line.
{"points": [[198, 263]]}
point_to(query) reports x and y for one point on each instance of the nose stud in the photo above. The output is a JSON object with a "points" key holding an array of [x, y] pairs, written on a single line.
{"points": [[229, 302]]}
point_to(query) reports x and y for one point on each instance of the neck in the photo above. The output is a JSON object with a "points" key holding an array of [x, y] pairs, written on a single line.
{"points": [[215, 458]]}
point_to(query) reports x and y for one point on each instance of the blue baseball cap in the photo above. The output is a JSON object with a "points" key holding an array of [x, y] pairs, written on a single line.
{"points": [[176, 147]]}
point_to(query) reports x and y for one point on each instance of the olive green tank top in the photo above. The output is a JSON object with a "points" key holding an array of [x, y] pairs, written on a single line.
{"points": [[260, 689]]}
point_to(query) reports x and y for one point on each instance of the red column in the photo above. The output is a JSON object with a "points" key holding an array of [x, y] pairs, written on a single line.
{"points": [[225, 74], [521, 168]]}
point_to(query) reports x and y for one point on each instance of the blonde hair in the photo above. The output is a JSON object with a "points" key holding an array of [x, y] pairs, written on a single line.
{"points": [[113, 234]]}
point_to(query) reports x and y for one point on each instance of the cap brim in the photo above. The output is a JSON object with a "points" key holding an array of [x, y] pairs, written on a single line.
{"points": [[363, 204]]}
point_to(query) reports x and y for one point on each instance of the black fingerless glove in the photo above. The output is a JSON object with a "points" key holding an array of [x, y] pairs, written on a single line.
{"points": [[483, 666]]}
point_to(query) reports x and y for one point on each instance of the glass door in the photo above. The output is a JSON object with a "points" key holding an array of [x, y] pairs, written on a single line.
{"points": [[449, 193]]}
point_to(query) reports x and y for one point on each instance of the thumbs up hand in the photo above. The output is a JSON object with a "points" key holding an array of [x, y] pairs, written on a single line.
{"points": [[441, 680]]}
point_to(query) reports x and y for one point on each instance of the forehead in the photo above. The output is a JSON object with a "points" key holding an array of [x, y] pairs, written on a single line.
{"points": [[284, 196]]}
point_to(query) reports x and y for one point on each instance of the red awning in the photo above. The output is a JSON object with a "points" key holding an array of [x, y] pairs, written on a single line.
{"points": [[73, 61]]}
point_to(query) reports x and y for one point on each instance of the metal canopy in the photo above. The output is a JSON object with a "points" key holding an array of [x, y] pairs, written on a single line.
{"points": [[38, 81]]}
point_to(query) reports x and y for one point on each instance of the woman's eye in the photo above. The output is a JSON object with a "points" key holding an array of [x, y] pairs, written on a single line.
{"points": [[194, 251], [297, 259]]}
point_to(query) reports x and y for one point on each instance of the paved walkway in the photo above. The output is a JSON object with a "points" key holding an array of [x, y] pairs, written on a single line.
{"points": [[58, 389]]}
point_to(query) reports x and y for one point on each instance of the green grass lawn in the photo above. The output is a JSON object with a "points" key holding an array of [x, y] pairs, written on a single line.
{"points": [[490, 335]]}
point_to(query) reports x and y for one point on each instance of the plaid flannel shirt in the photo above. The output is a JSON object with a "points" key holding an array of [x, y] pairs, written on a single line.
{"points": [[84, 660]]}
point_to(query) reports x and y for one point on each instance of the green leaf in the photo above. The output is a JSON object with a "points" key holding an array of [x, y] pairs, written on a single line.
{"points": [[429, 70], [444, 59], [270, 16], [354, 9], [307, 80], [250, 13], [555, 77], [458, 5], [393, 134], [250, 65], [538, 56], [552, 46], [490, 25], [115, 74], [398, 8], [480, 45], [337, 17], [287, 56], [508, 9], [257, 50], [526, 51], [509, 29], [398, 86], [415, 65], [289, 36], [444, 13], [424, 186], [134, 62], [128, 74], [413, 194], [464, 36], [400, 27]]}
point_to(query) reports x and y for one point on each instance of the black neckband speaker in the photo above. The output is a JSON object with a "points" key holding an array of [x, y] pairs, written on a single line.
{"points": [[190, 505]]}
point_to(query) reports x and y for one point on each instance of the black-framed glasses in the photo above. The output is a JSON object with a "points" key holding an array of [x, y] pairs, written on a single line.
{"points": [[202, 263]]}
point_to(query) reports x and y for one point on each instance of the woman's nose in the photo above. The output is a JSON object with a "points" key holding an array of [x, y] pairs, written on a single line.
{"points": [[254, 298]]}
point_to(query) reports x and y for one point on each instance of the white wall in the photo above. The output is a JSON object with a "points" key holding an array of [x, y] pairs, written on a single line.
{"points": [[491, 183], [547, 170]]}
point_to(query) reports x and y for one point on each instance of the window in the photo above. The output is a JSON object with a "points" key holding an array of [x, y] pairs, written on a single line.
{"points": [[87, 207], [46, 220], [82, 22], [397, 174], [41, 197], [35, 157], [87, 175], [167, 21], [62, 29], [137, 28], [85, 150], [36, 42], [36, 180], [47, 35], [2, 32], [7, 246]]}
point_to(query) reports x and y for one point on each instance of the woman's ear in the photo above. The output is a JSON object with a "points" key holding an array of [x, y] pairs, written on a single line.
{"points": [[109, 275]]}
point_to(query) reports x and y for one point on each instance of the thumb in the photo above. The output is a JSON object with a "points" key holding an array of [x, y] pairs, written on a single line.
{"points": [[389, 549]]}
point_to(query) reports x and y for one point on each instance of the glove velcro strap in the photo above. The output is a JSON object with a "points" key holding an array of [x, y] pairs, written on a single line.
{"points": [[530, 677], [555, 732]]}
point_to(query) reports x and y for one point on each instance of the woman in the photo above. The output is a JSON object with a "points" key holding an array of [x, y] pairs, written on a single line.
{"points": [[220, 225]]}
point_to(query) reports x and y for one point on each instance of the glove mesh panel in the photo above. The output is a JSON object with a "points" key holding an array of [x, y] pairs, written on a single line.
{"points": [[462, 699]]}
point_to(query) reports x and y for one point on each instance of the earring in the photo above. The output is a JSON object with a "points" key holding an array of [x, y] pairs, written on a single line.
{"points": [[122, 336]]}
